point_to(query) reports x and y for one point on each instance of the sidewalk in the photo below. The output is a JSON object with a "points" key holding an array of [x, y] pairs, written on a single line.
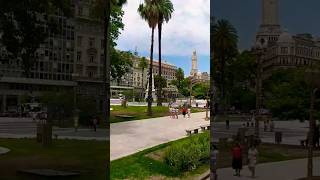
{"points": [[134, 136], [284, 170]]}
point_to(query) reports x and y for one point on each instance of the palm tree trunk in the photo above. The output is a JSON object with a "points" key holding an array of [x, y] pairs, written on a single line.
{"points": [[150, 75], [160, 65], [142, 86]]}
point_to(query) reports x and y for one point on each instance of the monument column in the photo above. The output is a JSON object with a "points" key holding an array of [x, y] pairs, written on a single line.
{"points": [[270, 15]]}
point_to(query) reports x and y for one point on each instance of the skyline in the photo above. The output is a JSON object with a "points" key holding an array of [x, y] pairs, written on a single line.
{"points": [[293, 17], [179, 37]]}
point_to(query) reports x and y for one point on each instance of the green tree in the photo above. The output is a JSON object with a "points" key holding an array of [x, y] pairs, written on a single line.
{"points": [[21, 27], [288, 94], [165, 12], [160, 82], [149, 11], [200, 90], [143, 64], [240, 81], [179, 78], [121, 64], [225, 39]]}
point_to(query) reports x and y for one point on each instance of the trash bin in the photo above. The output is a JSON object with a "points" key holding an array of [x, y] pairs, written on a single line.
{"points": [[278, 137]]}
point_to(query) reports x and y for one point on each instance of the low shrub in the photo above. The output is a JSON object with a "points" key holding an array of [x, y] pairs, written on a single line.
{"points": [[189, 154]]}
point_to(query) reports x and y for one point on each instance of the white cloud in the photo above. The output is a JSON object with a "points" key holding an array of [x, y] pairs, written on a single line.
{"points": [[188, 29]]}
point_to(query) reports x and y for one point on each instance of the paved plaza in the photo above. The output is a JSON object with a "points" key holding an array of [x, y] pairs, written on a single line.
{"points": [[26, 128], [285, 170], [130, 137]]}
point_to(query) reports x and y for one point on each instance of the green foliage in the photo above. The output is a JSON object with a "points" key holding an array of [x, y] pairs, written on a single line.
{"points": [[160, 81], [149, 11], [121, 64], [288, 95], [201, 90], [22, 29], [190, 154], [240, 81], [182, 83], [224, 48]]}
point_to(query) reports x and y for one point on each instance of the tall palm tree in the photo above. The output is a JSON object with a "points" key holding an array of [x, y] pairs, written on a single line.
{"points": [[149, 11], [143, 64], [225, 39], [165, 13]]}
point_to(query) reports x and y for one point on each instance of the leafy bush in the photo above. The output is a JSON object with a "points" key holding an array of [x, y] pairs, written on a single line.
{"points": [[189, 154]]}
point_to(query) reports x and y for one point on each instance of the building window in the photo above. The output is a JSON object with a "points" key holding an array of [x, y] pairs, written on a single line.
{"points": [[101, 58], [91, 59], [80, 11], [79, 41], [79, 56], [91, 42], [102, 44]]}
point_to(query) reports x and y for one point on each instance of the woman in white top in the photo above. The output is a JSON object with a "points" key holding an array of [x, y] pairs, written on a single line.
{"points": [[252, 157]]}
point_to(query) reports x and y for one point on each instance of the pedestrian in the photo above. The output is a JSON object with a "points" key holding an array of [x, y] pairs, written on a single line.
{"points": [[95, 123], [252, 158], [184, 111], [176, 112], [171, 112], [189, 112], [248, 123], [237, 159]]}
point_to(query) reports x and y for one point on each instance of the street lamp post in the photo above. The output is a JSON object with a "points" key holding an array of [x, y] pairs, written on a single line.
{"points": [[259, 51]]}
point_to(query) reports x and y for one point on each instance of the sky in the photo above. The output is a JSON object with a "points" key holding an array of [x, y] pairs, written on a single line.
{"points": [[188, 30], [296, 16]]}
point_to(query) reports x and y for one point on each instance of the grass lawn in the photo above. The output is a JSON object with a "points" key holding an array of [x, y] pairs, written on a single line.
{"points": [[148, 165], [140, 112], [87, 157]]}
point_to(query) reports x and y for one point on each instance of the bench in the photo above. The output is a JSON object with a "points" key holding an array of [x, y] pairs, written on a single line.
{"points": [[192, 130], [205, 127], [124, 116]]}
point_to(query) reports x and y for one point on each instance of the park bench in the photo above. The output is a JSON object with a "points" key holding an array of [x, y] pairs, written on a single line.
{"points": [[205, 127], [192, 131], [124, 116]]}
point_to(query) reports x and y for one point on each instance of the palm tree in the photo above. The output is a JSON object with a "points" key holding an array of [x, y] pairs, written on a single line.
{"points": [[165, 12], [149, 11], [224, 42], [143, 64]]}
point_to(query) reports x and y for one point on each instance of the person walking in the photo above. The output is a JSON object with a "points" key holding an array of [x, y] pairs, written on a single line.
{"points": [[189, 112], [171, 112], [184, 111], [176, 112], [237, 159], [95, 123], [252, 158]]}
